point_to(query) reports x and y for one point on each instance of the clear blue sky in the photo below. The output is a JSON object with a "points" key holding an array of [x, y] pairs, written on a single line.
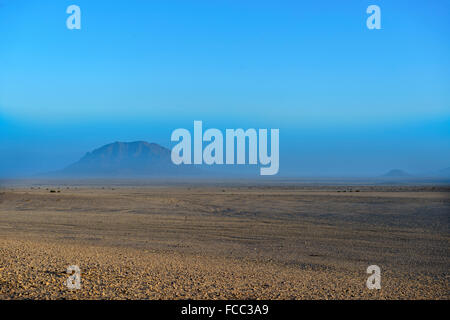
{"points": [[347, 100]]}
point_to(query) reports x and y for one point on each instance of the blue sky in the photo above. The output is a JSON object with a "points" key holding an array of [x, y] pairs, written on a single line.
{"points": [[347, 100]]}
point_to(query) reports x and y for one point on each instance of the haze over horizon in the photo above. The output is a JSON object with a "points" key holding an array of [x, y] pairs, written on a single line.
{"points": [[348, 101], [143, 159]]}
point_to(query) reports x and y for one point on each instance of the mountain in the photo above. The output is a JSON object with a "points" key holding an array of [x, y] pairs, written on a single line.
{"points": [[396, 173], [143, 159], [137, 158]]}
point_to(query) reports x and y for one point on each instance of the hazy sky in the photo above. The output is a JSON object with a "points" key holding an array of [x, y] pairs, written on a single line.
{"points": [[347, 100]]}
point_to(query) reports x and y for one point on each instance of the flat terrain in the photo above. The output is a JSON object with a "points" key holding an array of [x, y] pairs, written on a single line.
{"points": [[229, 242]]}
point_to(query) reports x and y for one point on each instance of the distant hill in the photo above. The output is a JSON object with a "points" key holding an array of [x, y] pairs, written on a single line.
{"points": [[396, 173], [137, 158], [143, 159]]}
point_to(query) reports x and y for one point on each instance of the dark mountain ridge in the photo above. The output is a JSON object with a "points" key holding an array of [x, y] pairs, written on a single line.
{"points": [[125, 158]]}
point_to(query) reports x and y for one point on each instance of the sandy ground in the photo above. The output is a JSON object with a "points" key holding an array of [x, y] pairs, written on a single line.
{"points": [[205, 242]]}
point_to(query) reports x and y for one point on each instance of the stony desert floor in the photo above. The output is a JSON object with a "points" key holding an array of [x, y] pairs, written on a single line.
{"points": [[224, 242]]}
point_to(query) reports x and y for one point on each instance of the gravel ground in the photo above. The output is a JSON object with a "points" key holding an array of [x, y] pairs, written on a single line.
{"points": [[223, 243], [34, 270]]}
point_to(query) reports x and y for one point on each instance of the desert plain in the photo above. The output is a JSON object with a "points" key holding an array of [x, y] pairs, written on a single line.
{"points": [[223, 241]]}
